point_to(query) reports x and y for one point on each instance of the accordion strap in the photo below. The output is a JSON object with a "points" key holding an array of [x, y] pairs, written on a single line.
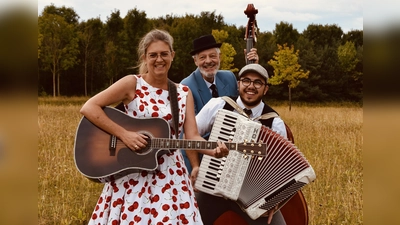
{"points": [[240, 110]]}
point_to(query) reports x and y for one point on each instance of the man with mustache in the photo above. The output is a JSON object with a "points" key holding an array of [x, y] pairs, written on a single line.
{"points": [[208, 81], [253, 86]]}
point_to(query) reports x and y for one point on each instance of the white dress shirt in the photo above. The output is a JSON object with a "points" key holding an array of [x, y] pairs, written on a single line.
{"points": [[206, 117]]}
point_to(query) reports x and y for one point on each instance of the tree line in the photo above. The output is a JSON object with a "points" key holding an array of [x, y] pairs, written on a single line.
{"points": [[81, 58]]}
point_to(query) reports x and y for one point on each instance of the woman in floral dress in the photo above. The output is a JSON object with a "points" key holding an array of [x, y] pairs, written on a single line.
{"points": [[165, 195]]}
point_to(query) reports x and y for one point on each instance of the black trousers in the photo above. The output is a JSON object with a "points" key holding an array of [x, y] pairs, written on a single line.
{"points": [[211, 207]]}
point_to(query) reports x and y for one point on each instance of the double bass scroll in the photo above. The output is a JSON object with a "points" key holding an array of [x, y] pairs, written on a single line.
{"points": [[251, 29]]}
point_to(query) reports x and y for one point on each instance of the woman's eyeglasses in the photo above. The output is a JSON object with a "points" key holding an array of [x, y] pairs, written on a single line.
{"points": [[257, 83], [155, 55]]}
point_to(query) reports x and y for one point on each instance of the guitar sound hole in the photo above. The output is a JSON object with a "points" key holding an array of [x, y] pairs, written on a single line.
{"points": [[146, 149]]}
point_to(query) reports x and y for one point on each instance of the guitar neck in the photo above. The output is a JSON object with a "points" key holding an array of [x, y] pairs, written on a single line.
{"points": [[165, 143]]}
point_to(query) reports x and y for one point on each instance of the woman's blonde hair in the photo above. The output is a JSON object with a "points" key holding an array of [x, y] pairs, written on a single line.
{"points": [[150, 37]]}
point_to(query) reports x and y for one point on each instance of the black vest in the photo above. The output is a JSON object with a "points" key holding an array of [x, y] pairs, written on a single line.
{"points": [[266, 109]]}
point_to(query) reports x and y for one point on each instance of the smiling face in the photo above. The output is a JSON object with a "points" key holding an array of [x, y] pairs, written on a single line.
{"points": [[158, 58], [250, 95], [208, 62]]}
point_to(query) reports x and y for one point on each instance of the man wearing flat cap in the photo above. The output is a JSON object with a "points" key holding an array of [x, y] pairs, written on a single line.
{"points": [[253, 86], [207, 81]]}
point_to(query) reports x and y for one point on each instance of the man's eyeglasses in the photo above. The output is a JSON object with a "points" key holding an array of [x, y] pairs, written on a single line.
{"points": [[257, 83], [154, 55]]}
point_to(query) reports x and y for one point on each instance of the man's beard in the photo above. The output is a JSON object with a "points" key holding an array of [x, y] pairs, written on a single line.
{"points": [[209, 75], [253, 102]]}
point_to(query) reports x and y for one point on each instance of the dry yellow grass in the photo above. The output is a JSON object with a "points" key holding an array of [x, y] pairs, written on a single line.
{"points": [[331, 138]]}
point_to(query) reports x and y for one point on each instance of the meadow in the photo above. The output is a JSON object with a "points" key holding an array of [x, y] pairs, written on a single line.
{"points": [[329, 135]]}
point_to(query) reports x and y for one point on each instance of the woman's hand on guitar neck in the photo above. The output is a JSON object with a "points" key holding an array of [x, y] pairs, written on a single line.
{"points": [[251, 55], [221, 150]]}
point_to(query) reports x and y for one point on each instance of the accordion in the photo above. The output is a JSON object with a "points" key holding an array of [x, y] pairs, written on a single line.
{"points": [[256, 183]]}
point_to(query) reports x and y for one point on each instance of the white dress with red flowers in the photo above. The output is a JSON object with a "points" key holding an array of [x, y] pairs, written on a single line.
{"points": [[163, 196]]}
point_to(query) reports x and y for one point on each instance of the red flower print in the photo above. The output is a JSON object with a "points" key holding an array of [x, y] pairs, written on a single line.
{"points": [[137, 218], [141, 108], [165, 219], [165, 207], [174, 198], [184, 205], [97, 207], [100, 200], [171, 182], [146, 210], [168, 117], [185, 88], [154, 114], [156, 198], [126, 185], [161, 101], [146, 93], [161, 175], [94, 216], [144, 88], [108, 199], [159, 91], [152, 100], [171, 171], [155, 108], [175, 207], [178, 164], [179, 172], [115, 222], [133, 182], [154, 182], [175, 191], [184, 188], [124, 216], [144, 173], [160, 160]]}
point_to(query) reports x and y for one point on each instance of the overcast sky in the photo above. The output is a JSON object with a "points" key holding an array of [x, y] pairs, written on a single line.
{"points": [[347, 14]]}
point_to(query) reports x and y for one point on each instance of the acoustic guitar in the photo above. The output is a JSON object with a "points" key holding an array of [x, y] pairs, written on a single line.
{"points": [[102, 157]]}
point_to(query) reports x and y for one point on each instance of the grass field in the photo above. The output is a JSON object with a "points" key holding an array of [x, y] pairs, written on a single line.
{"points": [[330, 136]]}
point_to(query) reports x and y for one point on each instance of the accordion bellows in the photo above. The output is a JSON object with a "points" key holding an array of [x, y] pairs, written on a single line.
{"points": [[256, 183]]}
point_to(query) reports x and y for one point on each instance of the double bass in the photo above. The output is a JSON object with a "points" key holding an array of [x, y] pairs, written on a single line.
{"points": [[295, 211]]}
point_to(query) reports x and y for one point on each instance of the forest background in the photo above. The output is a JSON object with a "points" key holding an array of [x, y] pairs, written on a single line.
{"points": [[82, 58]]}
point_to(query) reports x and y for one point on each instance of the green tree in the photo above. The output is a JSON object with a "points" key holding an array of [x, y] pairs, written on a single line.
{"points": [[136, 25], [227, 50], [59, 46], [286, 68], [116, 51], [285, 34], [347, 55], [90, 34]]}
